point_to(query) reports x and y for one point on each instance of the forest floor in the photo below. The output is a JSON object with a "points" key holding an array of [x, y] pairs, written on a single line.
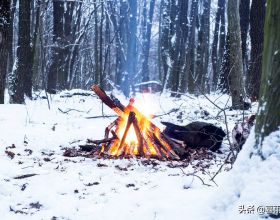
{"points": [[34, 137]]}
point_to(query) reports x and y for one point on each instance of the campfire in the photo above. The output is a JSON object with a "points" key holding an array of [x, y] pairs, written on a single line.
{"points": [[133, 134]]}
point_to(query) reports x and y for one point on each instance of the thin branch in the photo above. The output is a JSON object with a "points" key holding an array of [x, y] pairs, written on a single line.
{"points": [[194, 175], [101, 116], [219, 170]]}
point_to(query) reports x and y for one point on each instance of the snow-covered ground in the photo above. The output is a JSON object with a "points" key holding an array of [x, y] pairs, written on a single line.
{"points": [[32, 139]]}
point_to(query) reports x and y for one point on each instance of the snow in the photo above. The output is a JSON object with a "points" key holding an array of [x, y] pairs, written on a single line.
{"points": [[252, 181], [83, 188]]}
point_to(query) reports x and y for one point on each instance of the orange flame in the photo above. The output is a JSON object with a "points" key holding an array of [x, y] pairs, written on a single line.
{"points": [[131, 145]]}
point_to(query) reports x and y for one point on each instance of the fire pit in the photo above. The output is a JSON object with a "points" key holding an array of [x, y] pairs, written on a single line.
{"points": [[133, 134]]}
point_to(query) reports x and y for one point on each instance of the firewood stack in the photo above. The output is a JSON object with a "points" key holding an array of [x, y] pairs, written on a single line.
{"points": [[134, 135]]}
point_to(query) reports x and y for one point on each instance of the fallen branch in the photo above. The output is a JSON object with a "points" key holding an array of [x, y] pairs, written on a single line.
{"points": [[194, 175], [105, 140], [71, 109], [101, 116], [167, 113], [25, 176], [69, 95], [219, 170]]}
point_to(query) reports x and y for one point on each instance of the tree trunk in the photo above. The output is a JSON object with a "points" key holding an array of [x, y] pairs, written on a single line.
{"points": [[257, 16], [244, 11], [268, 119], [4, 41], [131, 56], [11, 37], [164, 40], [217, 30], [190, 58], [96, 48], [225, 69], [21, 82], [142, 29], [57, 52], [120, 27], [222, 39], [26, 52], [183, 36], [203, 47], [76, 41], [102, 76], [173, 81], [35, 47], [107, 70], [147, 43], [68, 41], [179, 46], [236, 83]]}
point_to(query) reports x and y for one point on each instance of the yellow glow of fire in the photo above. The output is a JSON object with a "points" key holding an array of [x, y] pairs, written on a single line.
{"points": [[145, 107]]}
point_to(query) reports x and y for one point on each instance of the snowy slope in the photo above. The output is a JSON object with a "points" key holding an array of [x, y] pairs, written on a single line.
{"points": [[81, 188]]}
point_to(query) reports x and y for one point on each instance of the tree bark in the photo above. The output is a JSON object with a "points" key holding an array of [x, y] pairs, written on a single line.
{"points": [[35, 54], [218, 31], [236, 83], [11, 37], [244, 11], [147, 43], [26, 67], [257, 16], [173, 80], [120, 27], [164, 40], [131, 55], [222, 39], [190, 57], [57, 52], [268, 119], [225, 69], [101, 74], [4, 41], [21, 82], [68, 41], [203, 47], [181, 33]]}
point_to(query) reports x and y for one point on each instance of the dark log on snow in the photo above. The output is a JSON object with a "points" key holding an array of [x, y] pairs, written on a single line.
{"points": [[196, 134]]}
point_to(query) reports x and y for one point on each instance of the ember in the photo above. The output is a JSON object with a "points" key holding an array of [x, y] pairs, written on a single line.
{"points": [[134, 134]]}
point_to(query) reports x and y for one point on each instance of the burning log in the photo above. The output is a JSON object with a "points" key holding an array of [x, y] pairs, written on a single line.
{"points": [[136, 134]]}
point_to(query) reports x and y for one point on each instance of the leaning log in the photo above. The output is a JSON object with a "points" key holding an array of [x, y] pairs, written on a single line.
{"points": [[161, 143]]}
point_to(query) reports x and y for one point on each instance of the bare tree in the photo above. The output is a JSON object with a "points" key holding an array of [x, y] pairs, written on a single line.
{"points": [[203, 46], [4, 39], [219, 30], [178, 77], [120, 27], [147, 42], [190, 57], [236, 83], [57, 52], [131, 56], [268, 119], [164, 40], [11, 36], [257, 16], [21, 79], [244, 11]]}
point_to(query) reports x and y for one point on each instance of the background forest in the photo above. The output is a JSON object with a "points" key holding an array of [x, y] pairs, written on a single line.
{"points": [[209, 63], [194, 46]]}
